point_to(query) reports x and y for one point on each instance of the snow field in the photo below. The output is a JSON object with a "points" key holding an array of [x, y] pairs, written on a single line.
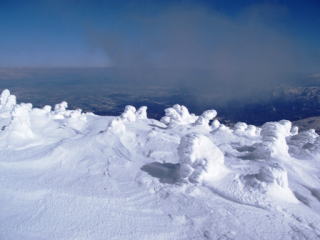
{"points": [[65, 174]]}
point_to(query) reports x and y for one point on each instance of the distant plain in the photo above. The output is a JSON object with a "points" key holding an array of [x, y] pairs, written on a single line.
{"points": [[106, 91]]}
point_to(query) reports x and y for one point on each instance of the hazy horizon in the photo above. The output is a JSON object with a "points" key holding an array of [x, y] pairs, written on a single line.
{"points": [[201, 53]]}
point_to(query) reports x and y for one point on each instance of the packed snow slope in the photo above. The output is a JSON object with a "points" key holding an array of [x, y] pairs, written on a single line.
{"points": [[70, 175]]}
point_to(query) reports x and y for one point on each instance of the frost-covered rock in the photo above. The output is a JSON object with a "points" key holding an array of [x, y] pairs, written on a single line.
{"points": [[200, 159], [178, 115]]}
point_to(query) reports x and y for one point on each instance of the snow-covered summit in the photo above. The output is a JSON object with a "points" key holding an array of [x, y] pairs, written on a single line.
{"points": [[65, 174]]}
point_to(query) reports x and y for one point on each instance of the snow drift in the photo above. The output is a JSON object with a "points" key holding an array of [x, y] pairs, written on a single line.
{"points": [[65, 174]]}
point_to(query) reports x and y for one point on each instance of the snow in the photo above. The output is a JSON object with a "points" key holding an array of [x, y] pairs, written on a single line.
{"points": [[65, 174], [200, 159], [178, 115]]}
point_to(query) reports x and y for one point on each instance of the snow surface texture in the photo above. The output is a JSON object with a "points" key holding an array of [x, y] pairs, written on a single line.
{"points": [[65, 174]]}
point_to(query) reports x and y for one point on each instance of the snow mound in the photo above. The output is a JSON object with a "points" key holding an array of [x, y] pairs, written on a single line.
{"points": [[206, 117], [130, 114], [274, 140], [200, 159], [272, 181], [21, 123], [180, 115], [273, 175], [243, 129]]}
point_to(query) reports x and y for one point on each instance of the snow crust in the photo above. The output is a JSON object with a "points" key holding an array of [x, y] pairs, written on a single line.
{"points": [[65, 174]]}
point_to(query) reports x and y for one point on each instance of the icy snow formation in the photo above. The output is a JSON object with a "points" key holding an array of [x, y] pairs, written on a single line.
{"points": [[200, 159], [65, 174]]}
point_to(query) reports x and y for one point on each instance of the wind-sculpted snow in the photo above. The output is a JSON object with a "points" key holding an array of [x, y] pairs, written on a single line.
{"points": [[200, 159], [65, 174], [7, 101]]}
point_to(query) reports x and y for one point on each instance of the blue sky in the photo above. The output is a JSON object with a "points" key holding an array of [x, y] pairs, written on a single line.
{"points": [[71, 33]]}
